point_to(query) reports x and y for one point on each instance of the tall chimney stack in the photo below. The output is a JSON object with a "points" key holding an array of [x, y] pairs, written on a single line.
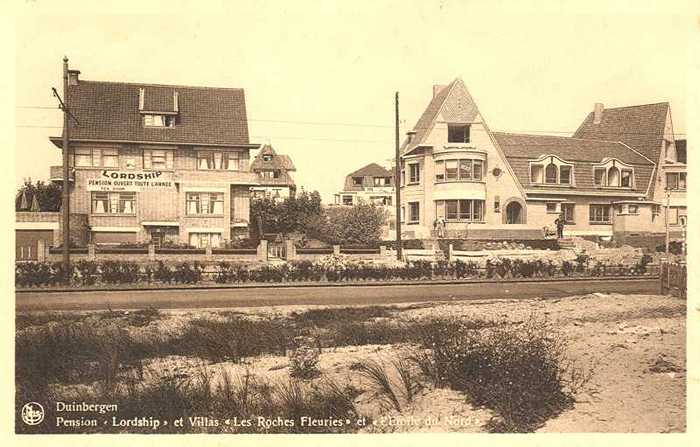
{"points": [[597, 112], [73, 77]]}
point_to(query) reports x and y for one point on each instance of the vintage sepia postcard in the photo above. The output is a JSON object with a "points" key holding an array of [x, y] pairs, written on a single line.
{"points": [[351, 218]]}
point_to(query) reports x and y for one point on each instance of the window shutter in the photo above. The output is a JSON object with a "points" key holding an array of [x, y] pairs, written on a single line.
{"points": [[169, 159], [96, 157], [146, 159]]}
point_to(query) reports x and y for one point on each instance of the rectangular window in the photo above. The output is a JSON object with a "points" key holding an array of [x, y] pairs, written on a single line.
{"points": [[83, 157], [413, 212], [414, 173], [568, 210], [403, 173], [460, 210], [378, 181], [599, 213], [551, 207], [673, 216], [536, 174], [599, 176], [158, 121], [232, 161], [632, 209], [550, 173], [478, 169], [357, 181], [465, 209], [451, 172], [440, 171], [565, 175], [208, 203], [465, 169], [110, 158], [458, 133], [626, 180], [347, 200], [676, 181], [204, 240], [157, 159], [655, 211], [114, 203], [451, 209], [497, 204]]}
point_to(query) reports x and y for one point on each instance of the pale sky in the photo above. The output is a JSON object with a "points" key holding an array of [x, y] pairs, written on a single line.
{"points": [[320, 77]]}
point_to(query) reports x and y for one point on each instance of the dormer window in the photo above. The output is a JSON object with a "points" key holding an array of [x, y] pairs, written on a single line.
{"points": [[158, 120], [267, 157], [613, 174], [357, 181], [551, 170], [458, 133]]}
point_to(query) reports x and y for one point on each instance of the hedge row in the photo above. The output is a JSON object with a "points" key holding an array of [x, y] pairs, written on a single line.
{"points": [[330, 268]]}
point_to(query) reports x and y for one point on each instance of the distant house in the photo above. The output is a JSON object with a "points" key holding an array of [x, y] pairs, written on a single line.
{"points": [[611, 179], [371, 184], [274, 174]]}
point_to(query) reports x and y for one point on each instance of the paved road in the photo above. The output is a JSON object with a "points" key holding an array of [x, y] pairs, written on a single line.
{"points": [[228, 298]]}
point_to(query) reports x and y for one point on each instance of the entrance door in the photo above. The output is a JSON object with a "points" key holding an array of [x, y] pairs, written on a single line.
{"points": [[514, 213]]}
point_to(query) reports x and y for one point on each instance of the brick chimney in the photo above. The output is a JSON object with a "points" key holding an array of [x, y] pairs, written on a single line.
{"points": [[597, 112], [73, 77], [437, 89]]}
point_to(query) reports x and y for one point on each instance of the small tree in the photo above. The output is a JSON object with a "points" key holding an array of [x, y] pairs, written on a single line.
{"points": [[360, 224], [48, 195]]}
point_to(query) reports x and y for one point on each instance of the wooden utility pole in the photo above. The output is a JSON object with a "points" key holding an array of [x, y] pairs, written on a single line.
{"points": [[668, 204], [65, 205], [397, 183]]}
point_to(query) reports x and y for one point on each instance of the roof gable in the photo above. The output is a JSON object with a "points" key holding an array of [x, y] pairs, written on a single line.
{"points": [[640, 127], [371, 170], [111, 111], [281, 162]]}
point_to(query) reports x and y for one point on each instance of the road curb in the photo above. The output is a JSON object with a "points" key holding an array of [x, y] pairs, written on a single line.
{"points": [[313, 285]]}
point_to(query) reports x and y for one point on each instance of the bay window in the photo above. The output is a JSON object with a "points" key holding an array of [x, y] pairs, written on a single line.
{"points": [[460, 210], [458, 170], [123, 203], [207, 203]]}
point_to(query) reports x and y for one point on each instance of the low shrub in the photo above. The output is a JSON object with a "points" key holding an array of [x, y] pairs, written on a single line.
{"points": [[520, 371], [303, 359]]}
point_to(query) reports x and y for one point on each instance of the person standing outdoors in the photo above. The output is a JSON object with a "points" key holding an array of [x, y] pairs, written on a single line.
{"points": [[559, 223]]}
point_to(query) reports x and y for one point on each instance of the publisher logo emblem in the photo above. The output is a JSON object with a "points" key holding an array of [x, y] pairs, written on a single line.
{"points": [[32, 413]]}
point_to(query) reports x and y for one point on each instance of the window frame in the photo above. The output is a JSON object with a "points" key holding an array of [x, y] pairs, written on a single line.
{"points": [[112, 197], [604, 207], [568, 209], [465, 133], [413, 212], [414, 168], [196, 198], [461, 210]]}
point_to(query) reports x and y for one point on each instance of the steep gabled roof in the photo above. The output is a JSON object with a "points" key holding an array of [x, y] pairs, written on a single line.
{"points": [[371, 170], [520, 149], [456, 108], [281, 162], [110, 111], [640, 127]]}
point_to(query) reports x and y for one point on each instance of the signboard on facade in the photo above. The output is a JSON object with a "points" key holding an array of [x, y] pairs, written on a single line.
{"points": [[129, 181]]}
